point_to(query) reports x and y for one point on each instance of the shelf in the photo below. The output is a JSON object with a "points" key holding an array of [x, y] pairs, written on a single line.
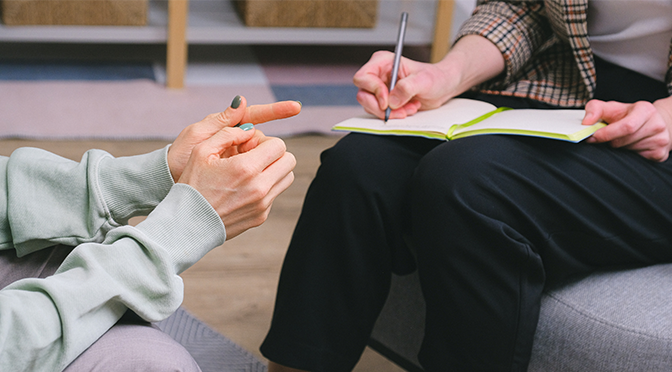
{"points": [[216, 22], [154, 33]]}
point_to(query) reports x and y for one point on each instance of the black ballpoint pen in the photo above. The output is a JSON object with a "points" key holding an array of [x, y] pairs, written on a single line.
{"points": [[397, 57]]}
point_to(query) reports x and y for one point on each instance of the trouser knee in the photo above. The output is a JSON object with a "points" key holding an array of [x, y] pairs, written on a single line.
{"points": [[134, 347]]}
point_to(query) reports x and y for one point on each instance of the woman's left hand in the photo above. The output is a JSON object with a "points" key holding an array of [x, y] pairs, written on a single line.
{"points": [[643, 127]]}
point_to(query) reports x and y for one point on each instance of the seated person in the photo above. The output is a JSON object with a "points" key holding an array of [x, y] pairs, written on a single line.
{"points": [[213, 183], [488, 221]]}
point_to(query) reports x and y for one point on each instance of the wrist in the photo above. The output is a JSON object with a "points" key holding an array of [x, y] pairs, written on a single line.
{"points": [[664, 107], [472, 60]]}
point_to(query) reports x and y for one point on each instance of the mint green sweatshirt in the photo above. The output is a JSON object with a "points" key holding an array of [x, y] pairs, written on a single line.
{"points": [[46, 200]]}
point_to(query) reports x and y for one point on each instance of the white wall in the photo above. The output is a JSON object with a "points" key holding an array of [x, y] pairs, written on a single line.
{"points": [[462, 11]]}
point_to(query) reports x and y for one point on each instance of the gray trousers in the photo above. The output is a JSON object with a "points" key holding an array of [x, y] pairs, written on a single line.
{"points": [[130, 345]]}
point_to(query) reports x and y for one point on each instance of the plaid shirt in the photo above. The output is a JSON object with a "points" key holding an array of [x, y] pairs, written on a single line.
{"points": [[546, 49]]}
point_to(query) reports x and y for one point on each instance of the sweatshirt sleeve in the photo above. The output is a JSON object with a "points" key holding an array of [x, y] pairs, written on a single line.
{"points": [[47, 323], [48, 200]]}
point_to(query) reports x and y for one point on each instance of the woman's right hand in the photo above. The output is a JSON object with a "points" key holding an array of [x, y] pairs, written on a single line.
{"points": [[426, 86], [416, 88]]}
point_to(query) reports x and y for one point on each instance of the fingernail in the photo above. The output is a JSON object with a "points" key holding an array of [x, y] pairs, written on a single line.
{"points": [[301, 104], [236, 102], [247, 126]]}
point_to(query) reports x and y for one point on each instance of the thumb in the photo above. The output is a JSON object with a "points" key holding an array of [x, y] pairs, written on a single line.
{"points": [[594, 110], [403, 92], [233, 115]]}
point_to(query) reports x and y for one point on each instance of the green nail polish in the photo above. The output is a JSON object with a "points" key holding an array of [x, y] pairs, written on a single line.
{"points": [[300, 103], [236, 102], [247, 126]]}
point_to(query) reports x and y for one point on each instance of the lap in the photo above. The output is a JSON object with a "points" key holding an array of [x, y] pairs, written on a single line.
{"points": [[130, 345], [589, 204], [134, 347], [39, 264]]}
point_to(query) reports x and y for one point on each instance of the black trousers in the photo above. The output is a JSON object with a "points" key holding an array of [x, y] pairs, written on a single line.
{"points": [[490, 221]]}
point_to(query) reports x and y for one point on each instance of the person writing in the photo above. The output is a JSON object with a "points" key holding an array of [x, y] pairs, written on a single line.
{"points": [[488, 221], [213, 183]]}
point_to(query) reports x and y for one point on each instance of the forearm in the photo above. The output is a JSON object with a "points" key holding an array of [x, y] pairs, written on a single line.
{"points": [[472, 60], [518, 29], [52, 200], [46, 323]]}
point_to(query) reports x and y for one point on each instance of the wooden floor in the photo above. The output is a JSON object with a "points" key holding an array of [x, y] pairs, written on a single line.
{"points": [[233, 287]]}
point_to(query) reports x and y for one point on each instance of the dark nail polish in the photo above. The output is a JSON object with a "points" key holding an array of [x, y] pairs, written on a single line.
{"points": [[236, 102]]}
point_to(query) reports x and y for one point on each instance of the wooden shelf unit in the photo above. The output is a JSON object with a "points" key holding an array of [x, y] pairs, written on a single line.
{"points": [[179, 23]]}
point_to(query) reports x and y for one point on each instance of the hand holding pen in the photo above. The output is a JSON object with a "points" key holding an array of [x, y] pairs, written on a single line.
{"points": [[421, 85], [378, 77]]}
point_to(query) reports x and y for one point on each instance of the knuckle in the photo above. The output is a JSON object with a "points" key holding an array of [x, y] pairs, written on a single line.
{"points": [[279, 144], [592, 103], [629, 126], [658, 155], [662, 142], [260, 219], [243, 171], [189, 130], [381, 53], [645, 106], [258, 193], [200, 151], [291, 159]]}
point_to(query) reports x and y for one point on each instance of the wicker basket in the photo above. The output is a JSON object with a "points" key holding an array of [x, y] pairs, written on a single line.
{"points": [[308, 13], [75, 12]]}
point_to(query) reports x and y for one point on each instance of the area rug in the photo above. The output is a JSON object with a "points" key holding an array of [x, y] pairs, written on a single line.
{"points": [[79, 98], [212, 351], [139, 109]]}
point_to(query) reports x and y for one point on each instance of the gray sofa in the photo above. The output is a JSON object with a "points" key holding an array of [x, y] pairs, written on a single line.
{"points": [[609, 321]]}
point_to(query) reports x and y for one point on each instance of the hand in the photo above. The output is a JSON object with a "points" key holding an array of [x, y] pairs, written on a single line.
{"points": [[240, 186], [415, 89], [425, 86], [180, 151], [642, 127]]}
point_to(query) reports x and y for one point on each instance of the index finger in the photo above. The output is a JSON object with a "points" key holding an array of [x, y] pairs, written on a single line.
{"points": [[624, 121], [373, 76], [273, 111], [610, 112]]}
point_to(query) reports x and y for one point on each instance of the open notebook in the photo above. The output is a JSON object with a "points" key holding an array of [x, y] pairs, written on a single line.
{"points": [[462, 117]]}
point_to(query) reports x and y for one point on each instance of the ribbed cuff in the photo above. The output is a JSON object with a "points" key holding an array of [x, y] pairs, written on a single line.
{"points": [[134, 185], [186, 225]]}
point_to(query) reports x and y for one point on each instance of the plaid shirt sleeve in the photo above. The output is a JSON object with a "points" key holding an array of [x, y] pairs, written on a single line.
{"points": [[545, 46], [517, 29], [539, 49]]}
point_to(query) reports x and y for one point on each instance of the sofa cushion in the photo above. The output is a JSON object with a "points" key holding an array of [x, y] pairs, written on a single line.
{"points": [[608, 321]]}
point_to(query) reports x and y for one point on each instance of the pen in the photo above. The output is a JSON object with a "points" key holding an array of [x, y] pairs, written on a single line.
{"points": [[397, 57]]}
